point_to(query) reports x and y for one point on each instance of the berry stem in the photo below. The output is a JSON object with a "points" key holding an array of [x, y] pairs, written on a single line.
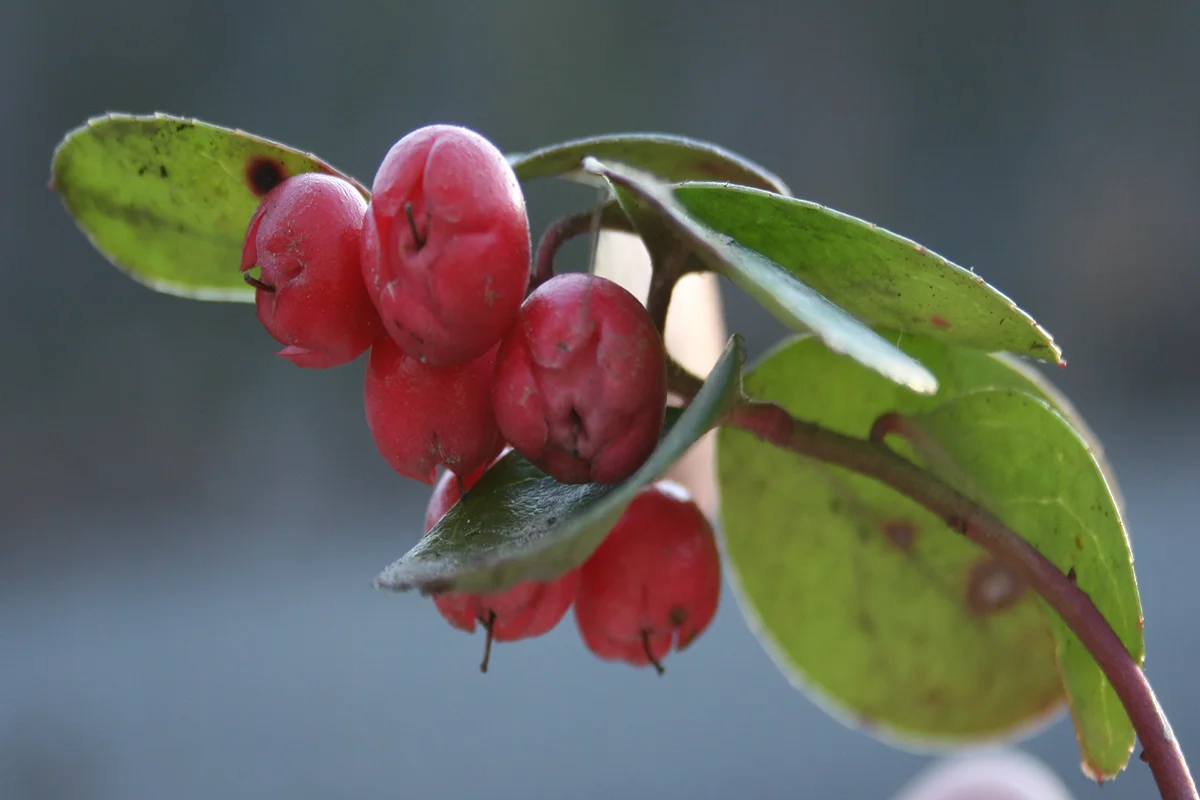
{"points": [[654, 662], [489, 625], [559, 232], [773, 424], [257, 284]]}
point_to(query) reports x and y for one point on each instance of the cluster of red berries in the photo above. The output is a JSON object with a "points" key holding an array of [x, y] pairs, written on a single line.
{"points": [[432, 275]]}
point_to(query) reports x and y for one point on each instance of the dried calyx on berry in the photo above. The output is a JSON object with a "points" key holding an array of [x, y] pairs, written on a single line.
{"points": [[654, 583], [525, 611], [446, 244], [581, 386], [305, 240]]}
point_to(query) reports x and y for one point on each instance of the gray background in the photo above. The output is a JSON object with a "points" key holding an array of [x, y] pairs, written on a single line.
{"points": [[188, 526]]}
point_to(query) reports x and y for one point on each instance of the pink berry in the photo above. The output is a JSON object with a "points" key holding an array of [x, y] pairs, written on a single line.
{"points": [[446, 247], [421, 416], [653, 583], [305, 237], [581, 384], [525, 611]]}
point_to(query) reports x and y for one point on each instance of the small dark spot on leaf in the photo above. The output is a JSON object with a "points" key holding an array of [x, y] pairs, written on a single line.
{"points": [[865, 622], [938, 321], [183, 126], [162, 171], [142, 170], [1078, 542], [264, 174], [551, 521], [901, 533], [1071, 575], [992, 587]]}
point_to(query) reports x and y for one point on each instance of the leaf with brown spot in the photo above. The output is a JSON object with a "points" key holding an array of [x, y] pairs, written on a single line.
{"points": [[167, 200], [992, 587], [1027, 465], [901, 533], [883, 622], [799, 534]]}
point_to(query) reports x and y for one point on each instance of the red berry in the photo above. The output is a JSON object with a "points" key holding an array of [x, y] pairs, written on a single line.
{"points": [[448, 490], [653, 582], [581, 382], [525, 611], [445, 249], [305, 237], [421, 416]]}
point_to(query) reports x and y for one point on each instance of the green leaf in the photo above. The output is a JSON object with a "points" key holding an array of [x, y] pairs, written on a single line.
{"points": [[1019, 458], [877, 276], [670, 158], [789, 299], [167, 199], [860, 595], [1040, 386], [518, 524]]}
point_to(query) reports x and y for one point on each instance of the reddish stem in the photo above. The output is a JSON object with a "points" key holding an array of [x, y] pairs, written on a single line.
{"points": [[564, 230], [489, 625], [775, 425]]}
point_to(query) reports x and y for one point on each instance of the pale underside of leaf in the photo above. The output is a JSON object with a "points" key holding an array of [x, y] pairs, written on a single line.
{"points": [[861, 597], [876, 275], [1023, 461], [668, 157]]}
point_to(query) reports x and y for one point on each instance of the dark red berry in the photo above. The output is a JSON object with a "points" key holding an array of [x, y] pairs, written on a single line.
{"points": [[310, 297], [421, 416], [445, 249], [581, 382], [527, 610], [655, 581]]}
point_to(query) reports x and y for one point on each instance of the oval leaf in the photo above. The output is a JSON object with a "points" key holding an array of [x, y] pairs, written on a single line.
{"points": [[167, 199], [519, 524], [1019, 458], [861, 596], [670, 158], [1040, 386], [874, 274], [790, 300]]}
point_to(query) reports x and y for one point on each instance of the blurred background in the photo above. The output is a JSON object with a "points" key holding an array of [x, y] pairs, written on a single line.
{"points": [[189, 526]]}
